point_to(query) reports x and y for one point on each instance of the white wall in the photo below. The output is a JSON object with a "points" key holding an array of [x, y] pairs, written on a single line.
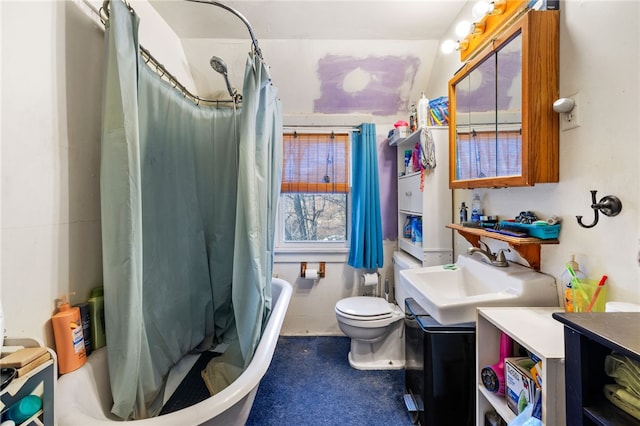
{"points": [[603, 153], [50, 123]]}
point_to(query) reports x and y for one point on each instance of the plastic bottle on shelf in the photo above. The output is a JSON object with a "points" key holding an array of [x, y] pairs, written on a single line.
{"points": [[413, 119], [23, 409], [423, 111], [67, 332], [463, 213], [476, 208]]}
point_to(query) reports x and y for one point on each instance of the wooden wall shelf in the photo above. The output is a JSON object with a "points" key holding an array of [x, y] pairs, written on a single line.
{"points": [[528, 248]]}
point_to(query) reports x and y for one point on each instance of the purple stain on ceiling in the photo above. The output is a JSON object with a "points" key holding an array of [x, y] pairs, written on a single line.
{"points": [[376, 85]]}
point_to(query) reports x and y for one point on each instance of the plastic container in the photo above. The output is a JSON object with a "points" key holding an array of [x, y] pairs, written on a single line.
{"points": [[476, 208], [585, 293], [416, 229], [96, 311], [542, 231], [67, 331], [423, 111], [23, 409], [406, 229]]}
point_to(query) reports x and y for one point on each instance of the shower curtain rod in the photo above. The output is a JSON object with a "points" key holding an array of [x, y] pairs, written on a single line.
{"points": [[241, 17], [162, 70], [320, 129]]}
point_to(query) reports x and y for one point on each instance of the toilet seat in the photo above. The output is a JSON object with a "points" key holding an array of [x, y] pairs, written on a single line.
{"points": [[364, 308]]}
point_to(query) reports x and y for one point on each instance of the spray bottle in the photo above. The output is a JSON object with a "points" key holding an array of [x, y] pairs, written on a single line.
{"points": [[67, 332]]}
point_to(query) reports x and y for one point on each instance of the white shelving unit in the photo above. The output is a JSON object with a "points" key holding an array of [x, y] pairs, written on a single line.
{"points": [[39, 381], [535, 330], [432, 203]]}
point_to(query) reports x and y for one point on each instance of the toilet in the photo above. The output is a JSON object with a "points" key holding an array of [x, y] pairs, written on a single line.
{"points": [[375, 326]]}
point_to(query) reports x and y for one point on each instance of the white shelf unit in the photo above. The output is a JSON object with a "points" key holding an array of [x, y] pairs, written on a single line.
{"points": [[39, 381], [433, 203], [535, 330]]}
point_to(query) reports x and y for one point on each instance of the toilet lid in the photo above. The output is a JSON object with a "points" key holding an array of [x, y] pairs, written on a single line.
{"points": [[365, 307]]}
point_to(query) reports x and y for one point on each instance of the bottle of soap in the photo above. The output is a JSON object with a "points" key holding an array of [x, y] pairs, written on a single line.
{"points": [[566, 280], [476, 208], [96, 311], [423, 111], [67, 332]]}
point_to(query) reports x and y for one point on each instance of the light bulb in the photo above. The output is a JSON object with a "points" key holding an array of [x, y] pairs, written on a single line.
{"points": [[463, 28], [480, 9], [448, 46]]}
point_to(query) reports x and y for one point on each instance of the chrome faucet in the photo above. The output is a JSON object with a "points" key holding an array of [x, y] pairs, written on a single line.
{"points": [[497, 259]]}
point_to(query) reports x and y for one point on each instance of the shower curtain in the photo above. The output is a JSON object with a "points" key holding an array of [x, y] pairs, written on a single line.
{"points": [[366, 222], [188, 196]]}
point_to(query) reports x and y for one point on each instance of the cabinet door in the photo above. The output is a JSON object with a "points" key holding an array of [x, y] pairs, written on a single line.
{"points": [[506, 132], [409, 194]]}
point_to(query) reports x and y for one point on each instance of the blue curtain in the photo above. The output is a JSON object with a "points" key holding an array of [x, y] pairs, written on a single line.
{"points": [[180, 218], [366, 223]]}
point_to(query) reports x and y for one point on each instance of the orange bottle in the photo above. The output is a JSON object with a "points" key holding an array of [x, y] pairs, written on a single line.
{"points": [[67, 331]]}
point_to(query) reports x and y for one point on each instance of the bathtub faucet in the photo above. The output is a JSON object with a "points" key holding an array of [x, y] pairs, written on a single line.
{"points": [[497, 259]]}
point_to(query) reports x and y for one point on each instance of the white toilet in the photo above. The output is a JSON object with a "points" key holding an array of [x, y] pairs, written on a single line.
{"points": [[376, 327]]}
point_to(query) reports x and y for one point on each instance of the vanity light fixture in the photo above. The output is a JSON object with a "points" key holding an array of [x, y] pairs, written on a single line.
{"points": [[484, 7], [463, 28], [449, 46]]}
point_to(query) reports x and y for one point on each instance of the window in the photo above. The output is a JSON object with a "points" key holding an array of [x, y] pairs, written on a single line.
{"points": [[315, 189]]}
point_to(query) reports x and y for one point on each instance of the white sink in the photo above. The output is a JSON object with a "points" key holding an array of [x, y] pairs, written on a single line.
{"points": [[451, 294]]}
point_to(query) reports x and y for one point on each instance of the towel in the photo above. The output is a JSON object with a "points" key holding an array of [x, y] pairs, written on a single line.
{"points": [[221, 371], [622, 399], [625, 371], [625, 393]]}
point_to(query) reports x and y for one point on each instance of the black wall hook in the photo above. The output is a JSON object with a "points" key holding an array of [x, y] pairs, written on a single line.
{"points": [[609, 205]]}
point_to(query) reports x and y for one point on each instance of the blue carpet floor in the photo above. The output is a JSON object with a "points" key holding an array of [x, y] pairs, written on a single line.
{"points": [[310, 382]]}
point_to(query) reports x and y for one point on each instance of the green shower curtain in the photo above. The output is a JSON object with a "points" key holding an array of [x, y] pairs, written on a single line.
{"points": [[187, 232]]}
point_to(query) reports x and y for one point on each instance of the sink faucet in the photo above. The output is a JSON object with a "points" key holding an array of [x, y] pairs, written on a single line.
{"points": [[497, 259]]}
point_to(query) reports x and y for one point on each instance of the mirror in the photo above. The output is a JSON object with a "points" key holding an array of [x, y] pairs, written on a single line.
{"points": [[503, 132], [488, 107]]}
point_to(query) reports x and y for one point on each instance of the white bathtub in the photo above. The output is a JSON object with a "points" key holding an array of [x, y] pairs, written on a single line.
{"points": [[83, 397]]}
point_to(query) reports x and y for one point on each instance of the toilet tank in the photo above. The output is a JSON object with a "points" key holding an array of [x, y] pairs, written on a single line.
{"points": [[401, 261]]}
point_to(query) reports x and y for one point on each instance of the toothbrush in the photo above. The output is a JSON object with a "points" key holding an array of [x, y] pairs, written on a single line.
{"points": [[575, 281], [596, 293]]}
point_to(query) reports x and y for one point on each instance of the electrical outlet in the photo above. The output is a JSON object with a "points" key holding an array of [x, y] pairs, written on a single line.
{"points": [[571, 120]]}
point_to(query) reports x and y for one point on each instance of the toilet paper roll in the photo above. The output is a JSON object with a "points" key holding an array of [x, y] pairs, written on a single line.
{"points": [[311, 274], [370, 279]]}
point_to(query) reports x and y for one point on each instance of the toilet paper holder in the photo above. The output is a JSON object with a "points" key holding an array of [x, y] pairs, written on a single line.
{"points": [[303, 269]]}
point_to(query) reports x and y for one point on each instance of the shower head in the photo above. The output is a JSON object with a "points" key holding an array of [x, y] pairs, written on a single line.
{"points": [[219, 66]]}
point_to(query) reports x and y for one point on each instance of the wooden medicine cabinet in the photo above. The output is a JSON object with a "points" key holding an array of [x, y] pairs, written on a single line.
{"points": [[503, 131]]}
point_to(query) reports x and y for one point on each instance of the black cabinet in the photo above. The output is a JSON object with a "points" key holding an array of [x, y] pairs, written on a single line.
{"points": [[439, 369], [589, 337]]}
